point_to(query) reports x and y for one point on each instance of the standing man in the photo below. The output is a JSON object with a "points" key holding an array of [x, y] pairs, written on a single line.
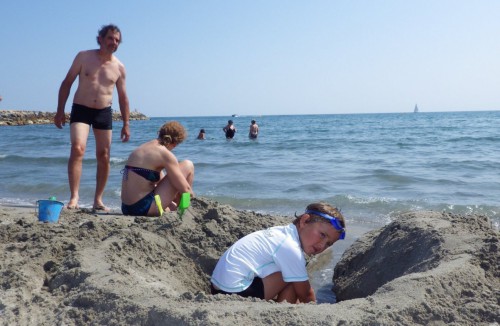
{"points": [[98, 71], [254, 130]]}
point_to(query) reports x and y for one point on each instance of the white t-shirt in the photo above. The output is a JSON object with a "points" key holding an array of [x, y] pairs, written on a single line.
{"points": [[261, 253]]}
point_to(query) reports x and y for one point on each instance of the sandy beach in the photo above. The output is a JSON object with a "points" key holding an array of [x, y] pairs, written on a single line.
{"points": [[424, 268]]}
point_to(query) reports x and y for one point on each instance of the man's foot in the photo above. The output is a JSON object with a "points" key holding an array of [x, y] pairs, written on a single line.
{"points": [[100, 209], [73, 204]]}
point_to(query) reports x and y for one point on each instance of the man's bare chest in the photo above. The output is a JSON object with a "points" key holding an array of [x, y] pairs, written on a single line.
{"points": [[103, 74]]}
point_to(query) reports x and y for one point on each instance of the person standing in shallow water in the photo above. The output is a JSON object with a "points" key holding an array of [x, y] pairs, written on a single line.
{"points": [[98, 71], [229, 129], [201, 135], [254, 130]]}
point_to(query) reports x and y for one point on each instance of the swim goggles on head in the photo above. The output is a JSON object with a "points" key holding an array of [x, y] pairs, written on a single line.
{"points": [[333, 221]]}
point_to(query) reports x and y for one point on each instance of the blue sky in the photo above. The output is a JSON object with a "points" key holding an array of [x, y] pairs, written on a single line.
{"points": [[262, 57]]}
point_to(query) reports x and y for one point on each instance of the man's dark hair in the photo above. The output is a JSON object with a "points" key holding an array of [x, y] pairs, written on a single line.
{"points": [[104, 30]]}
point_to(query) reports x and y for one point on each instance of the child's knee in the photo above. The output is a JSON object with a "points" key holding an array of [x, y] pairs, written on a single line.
{"points": [[188, 165]]}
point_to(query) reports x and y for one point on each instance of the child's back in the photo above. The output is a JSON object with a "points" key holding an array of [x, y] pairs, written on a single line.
{"points": [[261, 253]]}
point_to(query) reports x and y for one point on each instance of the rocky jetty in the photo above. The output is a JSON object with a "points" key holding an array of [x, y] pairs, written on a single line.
{"points": [[21, 118]]}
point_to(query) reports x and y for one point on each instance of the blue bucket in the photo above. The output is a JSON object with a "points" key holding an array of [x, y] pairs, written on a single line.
{"points": [[49, 210]]}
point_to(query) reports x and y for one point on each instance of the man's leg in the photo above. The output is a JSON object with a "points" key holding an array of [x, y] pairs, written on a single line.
{"points": [[79, 133], [103, 148]]}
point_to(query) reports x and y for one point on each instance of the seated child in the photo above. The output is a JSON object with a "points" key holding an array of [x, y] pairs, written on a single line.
{"points": [[270, 264], [144, 176]]}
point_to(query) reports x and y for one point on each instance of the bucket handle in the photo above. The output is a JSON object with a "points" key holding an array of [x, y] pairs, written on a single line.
{"points": [[36, 207]]}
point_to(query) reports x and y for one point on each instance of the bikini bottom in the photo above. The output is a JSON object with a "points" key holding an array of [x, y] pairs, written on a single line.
{"points": [[141, 207]]}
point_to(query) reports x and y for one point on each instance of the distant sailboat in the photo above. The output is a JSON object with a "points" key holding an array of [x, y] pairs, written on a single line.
{"points": [[415, 110]]}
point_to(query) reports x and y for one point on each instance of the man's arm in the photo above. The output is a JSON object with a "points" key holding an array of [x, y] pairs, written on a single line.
{"points": [[64, 90], [124, 105]]}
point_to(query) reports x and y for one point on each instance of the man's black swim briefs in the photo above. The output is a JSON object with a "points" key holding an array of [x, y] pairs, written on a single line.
{"points": [[97, 118]]}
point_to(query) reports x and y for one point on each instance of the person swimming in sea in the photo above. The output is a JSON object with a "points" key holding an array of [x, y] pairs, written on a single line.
{"points": [[229, 129], [201, 135], [254, 130]]}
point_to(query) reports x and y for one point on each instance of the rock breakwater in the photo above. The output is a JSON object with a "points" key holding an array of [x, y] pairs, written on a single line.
{"points": [[21, 118]]}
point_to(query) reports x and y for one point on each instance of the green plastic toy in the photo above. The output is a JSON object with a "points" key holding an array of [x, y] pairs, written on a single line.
{"points": [[158, 204], [184, 203]]}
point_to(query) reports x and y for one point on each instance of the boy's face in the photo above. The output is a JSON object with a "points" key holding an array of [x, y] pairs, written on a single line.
{"points": [[316, 237]]}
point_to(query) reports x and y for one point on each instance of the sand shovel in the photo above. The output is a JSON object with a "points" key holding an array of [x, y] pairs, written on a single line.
{"points": [[184, 203]]}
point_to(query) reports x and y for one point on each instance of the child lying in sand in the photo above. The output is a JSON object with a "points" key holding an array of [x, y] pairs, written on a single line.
{"points": [[270, 264]]}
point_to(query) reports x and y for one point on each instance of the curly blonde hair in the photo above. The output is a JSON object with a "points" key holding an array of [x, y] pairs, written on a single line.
{"points": [[171, 132]]}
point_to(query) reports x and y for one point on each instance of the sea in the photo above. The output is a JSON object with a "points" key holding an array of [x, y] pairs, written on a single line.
{"points": [[371, 166]]}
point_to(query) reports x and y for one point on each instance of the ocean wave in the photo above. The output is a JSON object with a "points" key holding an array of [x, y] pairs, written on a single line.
{"points": [[117, 161], [482, 139]]}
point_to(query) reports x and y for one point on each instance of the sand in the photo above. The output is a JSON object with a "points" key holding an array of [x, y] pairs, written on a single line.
{"points": [[424, 268]]}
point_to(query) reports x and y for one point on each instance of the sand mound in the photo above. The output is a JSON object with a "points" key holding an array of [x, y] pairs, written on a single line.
{"points": [[426, 267], [116, 270]]}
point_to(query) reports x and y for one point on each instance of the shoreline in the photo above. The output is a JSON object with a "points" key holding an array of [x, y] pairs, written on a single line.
{"points": [[114, 269]]}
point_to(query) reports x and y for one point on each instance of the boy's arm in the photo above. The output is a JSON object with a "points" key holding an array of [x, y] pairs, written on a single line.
{"points": [[304, 292]]}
